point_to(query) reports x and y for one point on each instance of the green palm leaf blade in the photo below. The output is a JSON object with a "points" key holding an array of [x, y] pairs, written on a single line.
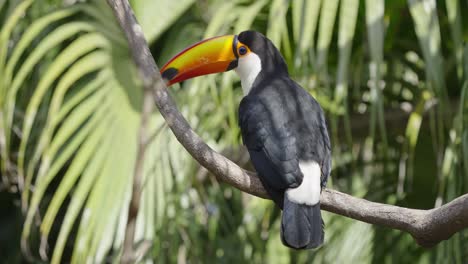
{"points": [[88, 178], [53, 39], [277, 21], [428, 32], [347, 25], [109, 198], [248, 15], [415, 119], [454, 18], [311, 10], [117, 194], [84, 66], [77, 117], [30, 34], [103, 228], [375, 29], [121, 175], [161, 201], [412, 131], [426, 20], [104, 22], [305, 17], [341, 233], [7, 29], [346, 30], [93, 207], [78, 48], [50, 214], [297, 7], [149, 196], [156, 16], [81, 159], [88, 63], [78, 97], [145, 227], [224, 16], [326, 25], [5, 34]]}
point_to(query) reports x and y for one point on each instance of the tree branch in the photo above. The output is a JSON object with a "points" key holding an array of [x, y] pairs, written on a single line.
{"points": [[129, 254], [428, 227]]}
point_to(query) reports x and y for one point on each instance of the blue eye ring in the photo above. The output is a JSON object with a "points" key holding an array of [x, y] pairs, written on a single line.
{"points": [[242, 50]]}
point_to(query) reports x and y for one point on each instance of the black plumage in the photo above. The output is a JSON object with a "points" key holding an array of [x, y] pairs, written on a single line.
{"points": [[283, 125]]}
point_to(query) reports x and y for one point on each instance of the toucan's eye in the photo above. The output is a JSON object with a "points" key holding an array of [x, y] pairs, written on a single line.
{"points": [[242, 50]]}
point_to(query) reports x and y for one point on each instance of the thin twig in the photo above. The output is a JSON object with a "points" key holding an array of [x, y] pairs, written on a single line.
{"points": [[428, 227], [128, 254]]}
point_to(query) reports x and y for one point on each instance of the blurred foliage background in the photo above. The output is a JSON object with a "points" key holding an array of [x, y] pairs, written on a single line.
{"points": [[392, 77]]}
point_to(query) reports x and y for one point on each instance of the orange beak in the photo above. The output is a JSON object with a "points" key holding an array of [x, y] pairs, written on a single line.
{"points": [[218, 54]]}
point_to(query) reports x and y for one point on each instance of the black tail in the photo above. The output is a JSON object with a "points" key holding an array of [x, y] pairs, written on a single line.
{"points": [[301, 225]]}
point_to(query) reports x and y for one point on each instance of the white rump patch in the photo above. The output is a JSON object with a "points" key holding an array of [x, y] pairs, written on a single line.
{"points": [[309, 190], [248, 67]]}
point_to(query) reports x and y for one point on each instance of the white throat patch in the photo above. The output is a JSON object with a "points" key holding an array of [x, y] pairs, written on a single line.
{"points": [[248, 68], [309, 190]]}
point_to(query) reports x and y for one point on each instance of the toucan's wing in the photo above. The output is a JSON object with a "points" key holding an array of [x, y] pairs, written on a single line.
{"points": [[325, 159], [272, 148]]}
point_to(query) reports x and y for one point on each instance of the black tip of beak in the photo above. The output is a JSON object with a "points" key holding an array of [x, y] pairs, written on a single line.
{"points": [[232, 65], [169, 73]]}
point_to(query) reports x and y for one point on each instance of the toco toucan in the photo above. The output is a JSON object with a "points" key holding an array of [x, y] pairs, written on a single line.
{"points": [[282, 125]]}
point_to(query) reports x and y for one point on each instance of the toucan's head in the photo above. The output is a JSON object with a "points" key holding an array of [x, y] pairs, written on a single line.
{"points": [[250, 54]]}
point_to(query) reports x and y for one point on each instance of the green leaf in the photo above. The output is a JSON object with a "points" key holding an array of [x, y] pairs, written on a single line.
{"points": [[454, 18], [5, 34], [78, 97], [327, 22], [53, 39], [414, 122], [109, 197], [305, 17], [248, 15], [375, 29], [224, 16], [79, 47], [89, 177], [2, 3], [347, 25], [346, 30], [30, 34], [277, 21], [427, 29], [156, 16], [80, 161], [86, 65], [93, 209], [78, 116]]}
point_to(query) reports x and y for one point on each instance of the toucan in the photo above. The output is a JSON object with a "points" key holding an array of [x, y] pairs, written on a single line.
{"points": [[282, 126]]}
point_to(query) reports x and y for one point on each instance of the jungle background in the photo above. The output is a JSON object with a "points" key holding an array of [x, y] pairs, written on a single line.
{"points": [[392, 77]]}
